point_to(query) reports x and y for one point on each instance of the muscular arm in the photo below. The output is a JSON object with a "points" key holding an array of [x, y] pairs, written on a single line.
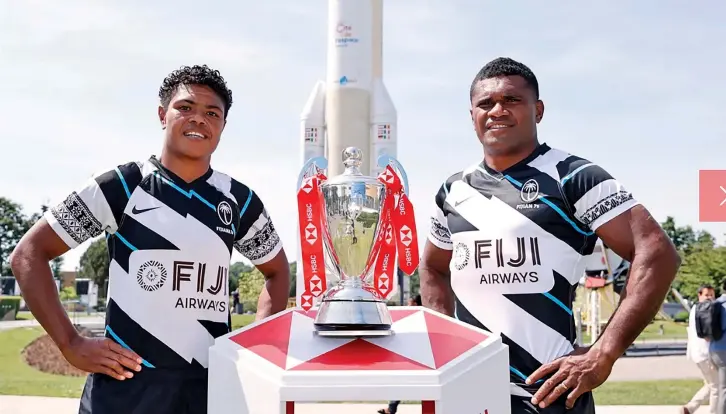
{"points": [[30, 265], [274, 295], [637, 237], [435, 279]]}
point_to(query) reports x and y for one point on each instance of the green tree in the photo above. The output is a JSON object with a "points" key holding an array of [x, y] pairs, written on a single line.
{"points": [[13, 225], [250, 286], [94, 264], [415, 283], [235, 270], [293, 279], [683, 237], [702, 266]]}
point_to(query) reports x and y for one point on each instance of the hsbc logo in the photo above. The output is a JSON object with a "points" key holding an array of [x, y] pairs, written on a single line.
{"points": [[308, 187], [316, 285], [311, 233], [387, 176], [405, 235], [389, 235]]}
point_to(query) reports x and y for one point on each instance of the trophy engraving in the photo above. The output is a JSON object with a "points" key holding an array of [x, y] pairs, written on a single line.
{"points": [[352, 228]]}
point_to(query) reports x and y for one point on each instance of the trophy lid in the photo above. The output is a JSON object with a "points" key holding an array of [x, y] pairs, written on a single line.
{"points": [[352, 160]]}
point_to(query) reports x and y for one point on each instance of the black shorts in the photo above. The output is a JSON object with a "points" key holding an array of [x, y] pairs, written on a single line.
{"points": [[584, 405], [150, 391]]}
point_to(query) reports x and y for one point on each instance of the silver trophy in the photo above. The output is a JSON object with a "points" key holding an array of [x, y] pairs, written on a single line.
{"points": [[352, 217]]}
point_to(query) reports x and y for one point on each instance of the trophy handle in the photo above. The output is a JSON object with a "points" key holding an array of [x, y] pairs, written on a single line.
{"points": [[386, 159], [320, 163]]}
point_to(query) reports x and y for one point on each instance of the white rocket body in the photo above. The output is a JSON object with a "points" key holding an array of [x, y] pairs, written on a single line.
{"points": [[352, 107]]}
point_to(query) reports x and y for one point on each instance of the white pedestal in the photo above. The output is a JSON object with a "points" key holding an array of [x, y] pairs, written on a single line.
{"points": [[450, 366]]}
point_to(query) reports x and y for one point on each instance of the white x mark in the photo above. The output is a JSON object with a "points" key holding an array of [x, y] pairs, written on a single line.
{"points": [[724, 200]]}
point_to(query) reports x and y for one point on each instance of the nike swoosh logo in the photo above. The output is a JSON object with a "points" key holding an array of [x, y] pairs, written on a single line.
{"points": [[143, 210], [456, 204]]}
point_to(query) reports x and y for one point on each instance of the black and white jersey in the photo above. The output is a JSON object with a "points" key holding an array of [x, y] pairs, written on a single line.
{"points": [[519, 240], [170, 245]]}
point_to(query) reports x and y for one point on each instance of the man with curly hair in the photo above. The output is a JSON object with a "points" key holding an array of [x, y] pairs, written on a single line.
{"points": [[170, 223]]}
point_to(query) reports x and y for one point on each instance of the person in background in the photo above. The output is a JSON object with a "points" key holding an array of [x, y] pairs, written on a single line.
{"points": [[717, 352], [697, 352], [393, 405]]}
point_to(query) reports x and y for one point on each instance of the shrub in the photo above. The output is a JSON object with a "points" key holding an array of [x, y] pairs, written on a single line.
{"points": [[9, 307]]}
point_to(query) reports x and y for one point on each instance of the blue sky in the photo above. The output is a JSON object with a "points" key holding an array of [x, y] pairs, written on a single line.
{"points": [[633, 86]]}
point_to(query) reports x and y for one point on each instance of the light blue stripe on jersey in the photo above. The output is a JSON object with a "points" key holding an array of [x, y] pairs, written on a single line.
{"points": [[558, 302], [123, 344], [188, 194], [126, 242], [247, 204], [554, 207], [123, 182], [577, 170]]}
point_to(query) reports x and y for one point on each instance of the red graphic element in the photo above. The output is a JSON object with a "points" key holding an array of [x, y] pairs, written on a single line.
{"points": [[290, 407], [360, 355], [310, 314], [428, 407], [712, 195], [449, 340], [403, 313], [265, 339], [310, 208], [594, 282], [403, 220]]}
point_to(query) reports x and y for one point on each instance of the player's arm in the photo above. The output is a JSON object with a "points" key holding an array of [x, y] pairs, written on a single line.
{"points": [[605, 207], [637, 237], [434, 274], [84, 214], [258, 241]]}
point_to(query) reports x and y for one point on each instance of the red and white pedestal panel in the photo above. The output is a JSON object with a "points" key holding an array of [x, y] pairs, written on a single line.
{"points": [[451, 366]]}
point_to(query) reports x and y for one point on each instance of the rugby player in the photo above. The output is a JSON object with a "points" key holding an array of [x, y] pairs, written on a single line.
{"points": [[508, 240], [171, 223]]}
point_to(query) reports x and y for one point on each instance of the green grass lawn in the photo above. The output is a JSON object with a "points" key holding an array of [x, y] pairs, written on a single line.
{"points": [[17, 378]]}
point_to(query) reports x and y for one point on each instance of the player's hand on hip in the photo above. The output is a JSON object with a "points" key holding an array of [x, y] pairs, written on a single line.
{"points": [[102, 355], [577, 373]]}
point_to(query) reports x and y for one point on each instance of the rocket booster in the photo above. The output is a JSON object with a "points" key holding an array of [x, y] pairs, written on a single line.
{"points": [[351, 107]]}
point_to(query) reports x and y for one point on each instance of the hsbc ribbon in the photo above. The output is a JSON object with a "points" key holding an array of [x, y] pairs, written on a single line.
{"points": [[309, 200], [398, 230]]}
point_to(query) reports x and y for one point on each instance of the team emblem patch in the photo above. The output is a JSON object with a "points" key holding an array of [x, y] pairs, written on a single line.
{"points": [[224, 211]]}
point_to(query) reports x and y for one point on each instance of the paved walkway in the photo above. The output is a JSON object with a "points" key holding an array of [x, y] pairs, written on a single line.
{"points": [[44, 405], [26, 323]]}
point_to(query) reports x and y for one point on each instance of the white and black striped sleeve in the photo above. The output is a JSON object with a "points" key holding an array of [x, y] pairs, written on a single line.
{"points": [[256, 237], [89, 210], [439, 234], [596, 196]]}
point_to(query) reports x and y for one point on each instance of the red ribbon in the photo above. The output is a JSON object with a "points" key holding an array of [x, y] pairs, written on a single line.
{"points": [[397, 234], [310, 206]]}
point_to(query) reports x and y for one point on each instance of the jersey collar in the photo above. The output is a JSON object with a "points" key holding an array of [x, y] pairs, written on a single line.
{"points": [[539, 150], [169, 175]]}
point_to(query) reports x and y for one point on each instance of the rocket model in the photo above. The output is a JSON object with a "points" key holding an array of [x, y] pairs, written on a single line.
{"points": [[352, 107]]}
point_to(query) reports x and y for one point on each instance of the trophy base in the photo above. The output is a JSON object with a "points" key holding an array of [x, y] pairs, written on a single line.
{"points": [[350, 310]]}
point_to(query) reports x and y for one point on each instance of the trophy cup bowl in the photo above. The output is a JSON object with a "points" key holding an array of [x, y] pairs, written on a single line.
{"points": [[352, 215]]}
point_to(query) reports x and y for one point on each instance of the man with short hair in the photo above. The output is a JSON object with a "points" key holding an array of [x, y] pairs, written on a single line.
{"points": [[508, 242], [171, 224], [697, 352]]}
